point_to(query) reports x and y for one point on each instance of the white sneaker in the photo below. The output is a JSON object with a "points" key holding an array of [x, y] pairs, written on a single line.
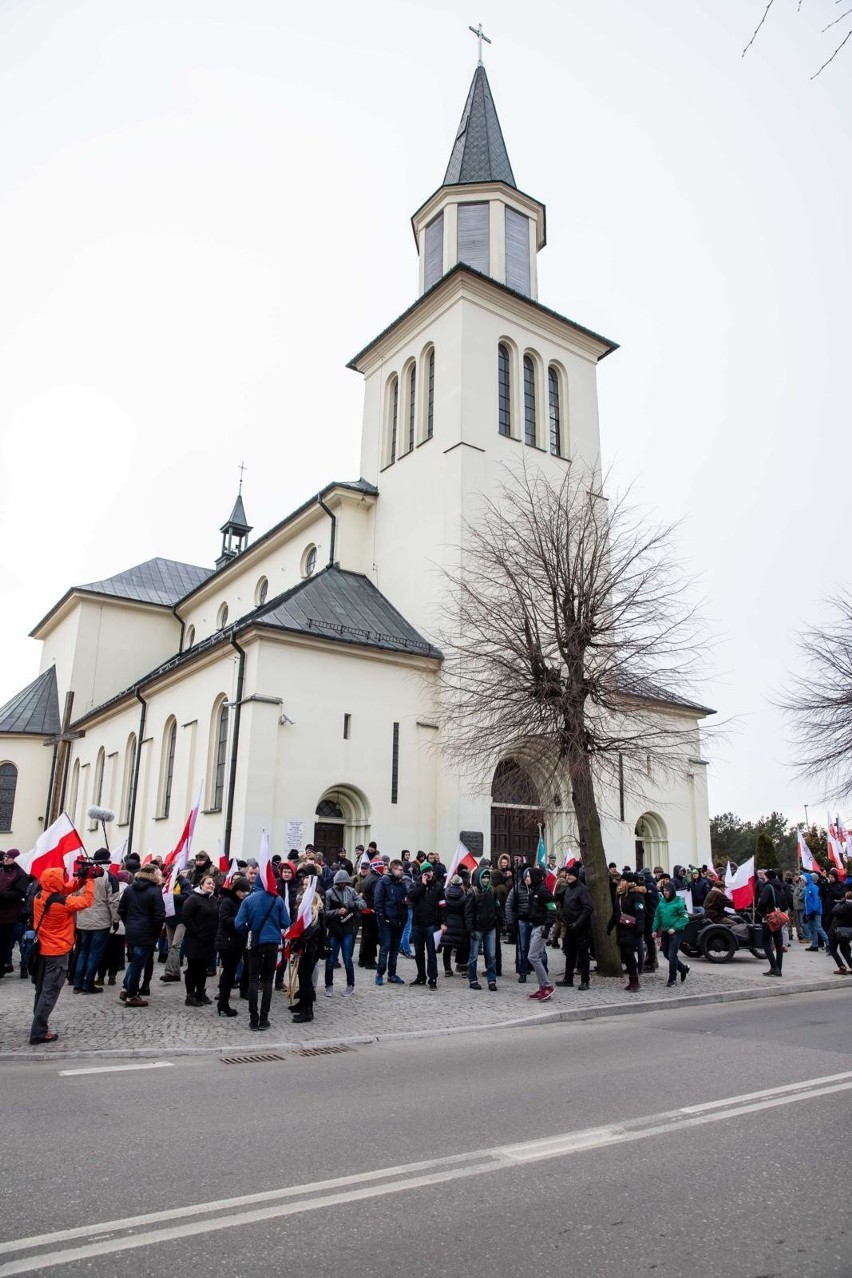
{"points": [[329, 991], [349, 989]]}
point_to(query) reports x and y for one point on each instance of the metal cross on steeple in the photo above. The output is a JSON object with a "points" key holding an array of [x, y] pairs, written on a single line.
{"points": [[480, 35], [242, 467]]}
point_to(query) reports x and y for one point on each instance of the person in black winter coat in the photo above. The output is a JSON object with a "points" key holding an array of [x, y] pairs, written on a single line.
{"points": [[142, 911], [453, 931], [577, 910], [628, 919], [390, 902], [229, 943], [368, 948], [201, 921], [518, 922], [647, 951], [840, 933], [424, 897], [481, 918], [289, 887], [542, 909], [772, 897]]}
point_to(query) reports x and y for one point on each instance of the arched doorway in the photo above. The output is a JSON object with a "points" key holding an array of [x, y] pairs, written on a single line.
{"points": [[342, 820], [515, 811], [652, 843]]}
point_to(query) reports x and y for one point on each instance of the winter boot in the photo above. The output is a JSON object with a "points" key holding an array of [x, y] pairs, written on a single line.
{"points": [[632, 986]]}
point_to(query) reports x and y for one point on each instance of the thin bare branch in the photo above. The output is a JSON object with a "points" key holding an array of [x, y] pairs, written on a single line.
{"points": [[834, 55], [757, 28], [835, 22]]}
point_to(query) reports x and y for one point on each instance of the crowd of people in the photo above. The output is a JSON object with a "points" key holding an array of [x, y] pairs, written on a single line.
{"points": [[231, 930]]}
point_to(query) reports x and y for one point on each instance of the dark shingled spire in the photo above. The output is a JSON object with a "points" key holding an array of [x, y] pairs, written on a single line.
{"points": [[479, 153], [35, 711], [238, 522]]}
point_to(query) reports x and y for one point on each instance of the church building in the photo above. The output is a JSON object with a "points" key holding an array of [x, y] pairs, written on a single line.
{"points": [[296, 677]]}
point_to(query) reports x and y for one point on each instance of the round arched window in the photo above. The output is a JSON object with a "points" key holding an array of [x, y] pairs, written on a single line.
{"points": [[222, 617], [261, 591], [189, 638], [309, 561]]}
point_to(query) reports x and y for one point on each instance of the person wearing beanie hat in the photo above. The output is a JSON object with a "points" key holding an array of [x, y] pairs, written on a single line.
{"points": [[577, 910], [480, 916], [542, 916], [628, 919], [424, 900], [391, 905], [342, 910], [93, 929]]}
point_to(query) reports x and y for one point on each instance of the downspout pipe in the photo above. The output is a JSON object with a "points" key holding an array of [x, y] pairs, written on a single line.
{"points": [[235, 744], [182, 627], [333, 519], [137, 763]]}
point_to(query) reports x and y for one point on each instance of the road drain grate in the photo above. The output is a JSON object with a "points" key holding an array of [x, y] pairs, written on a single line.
{"points": [[321, 1051], [252, 1058]]}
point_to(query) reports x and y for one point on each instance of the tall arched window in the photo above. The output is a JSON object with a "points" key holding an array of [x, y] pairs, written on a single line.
{"points": [[393, 420], [8, 786], [127, 784], [504, 391], [430, 398], [555, 415], [529, 401], [412, 405], [167, 767], [98, 784], [220, 758]]}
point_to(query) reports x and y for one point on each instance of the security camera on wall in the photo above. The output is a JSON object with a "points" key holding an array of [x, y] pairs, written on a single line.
{"points": [[285, 718]]}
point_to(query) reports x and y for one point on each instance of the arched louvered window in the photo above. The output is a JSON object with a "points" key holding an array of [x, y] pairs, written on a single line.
{"points": [[127, 784], [412, 404], [430, 398], [167, 767], [393, 423], [529, 401], [504, 391], [555, 414], [221, 756], [8, 786]]}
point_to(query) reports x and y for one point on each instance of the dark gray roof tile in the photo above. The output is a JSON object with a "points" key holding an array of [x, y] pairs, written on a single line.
{"points": [[35, 710], [479, 153], [157, 581]]}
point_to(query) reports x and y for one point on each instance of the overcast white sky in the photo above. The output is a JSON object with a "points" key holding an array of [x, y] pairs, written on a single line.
{"points": [[204, 213]]}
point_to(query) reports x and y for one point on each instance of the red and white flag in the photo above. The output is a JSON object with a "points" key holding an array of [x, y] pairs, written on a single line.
{"points": [[56, 848], [180, 854], [461, 856], [711, 870], [233, 871], [570, 859], [224, 863], [302, 920], [541, 862], [805, 854], [739, 884], [265, 868], [834, 844], [117, 857]]}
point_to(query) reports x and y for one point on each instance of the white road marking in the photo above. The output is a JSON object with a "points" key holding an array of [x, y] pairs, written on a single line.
{"points": [[114, 1069], [101, 1238]]}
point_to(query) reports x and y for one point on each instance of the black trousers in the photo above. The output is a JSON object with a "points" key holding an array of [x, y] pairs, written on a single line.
{"points": [[369, 941], [262, 960], [195, 975], [576, 948], [773, 947], [628, 958], [230, 961]]}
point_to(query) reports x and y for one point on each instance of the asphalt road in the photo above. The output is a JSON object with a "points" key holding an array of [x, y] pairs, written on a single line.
{"points": [[599, 1148]]}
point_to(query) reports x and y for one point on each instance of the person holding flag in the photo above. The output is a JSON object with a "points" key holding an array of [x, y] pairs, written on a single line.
{"points": [[262, 918]]}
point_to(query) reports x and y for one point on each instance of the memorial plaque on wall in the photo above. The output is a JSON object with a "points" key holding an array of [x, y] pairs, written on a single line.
{"points": [[474, 841]]}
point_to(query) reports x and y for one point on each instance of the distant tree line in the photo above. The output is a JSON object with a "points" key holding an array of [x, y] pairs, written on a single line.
{"points": [[771, 839]]}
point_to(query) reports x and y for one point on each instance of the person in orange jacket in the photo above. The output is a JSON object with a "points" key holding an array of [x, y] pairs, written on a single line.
{"points": [[55, 923]]}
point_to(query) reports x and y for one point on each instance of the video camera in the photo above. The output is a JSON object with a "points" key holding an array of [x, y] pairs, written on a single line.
{"points": [[86, 868]]}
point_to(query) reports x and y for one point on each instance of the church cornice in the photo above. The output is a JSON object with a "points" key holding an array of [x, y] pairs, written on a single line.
{"points": [[482, 288]]}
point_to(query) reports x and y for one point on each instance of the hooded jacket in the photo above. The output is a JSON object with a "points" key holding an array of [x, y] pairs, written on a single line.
{"points": [[425, 901], [141, 907], [577, 907], [813, 901], [201, 920], [670, 915], [227, 938], [342, 896], [262, 908], [103, 911], [480, 906], [56, 931], [453, 918], [630, 900], [390, 900], [542, 904], [13, 893]]}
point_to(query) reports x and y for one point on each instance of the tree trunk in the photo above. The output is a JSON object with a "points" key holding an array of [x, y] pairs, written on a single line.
{"points": [[594, 862]]}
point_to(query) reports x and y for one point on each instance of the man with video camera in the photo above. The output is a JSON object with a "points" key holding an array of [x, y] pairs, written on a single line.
{"points": [[58, 900]]}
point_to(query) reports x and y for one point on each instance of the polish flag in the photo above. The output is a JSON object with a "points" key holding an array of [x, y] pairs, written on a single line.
{"points": [[233, 871], [461, 856], [180, 856], [739, 884], [302, 920], [224, 863], [265, 868], [148, 857], [711, 870], [837, 842], [541, 862], [805, 854], [56, 848], [117, 857]]}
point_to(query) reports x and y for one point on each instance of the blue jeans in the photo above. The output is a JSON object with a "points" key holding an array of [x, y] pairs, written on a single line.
{"points": [[671, 948], [92, 946], [137, 957], [390, 935], [814, 930], [522, 949], [404, 944], [488, 942], [342, 943]]}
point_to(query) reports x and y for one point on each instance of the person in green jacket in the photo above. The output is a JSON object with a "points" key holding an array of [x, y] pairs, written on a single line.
{"points": [[670, 919]]}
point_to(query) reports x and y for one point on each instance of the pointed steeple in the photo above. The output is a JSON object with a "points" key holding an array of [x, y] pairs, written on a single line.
{"points": [[479, 152], [235, 531]]}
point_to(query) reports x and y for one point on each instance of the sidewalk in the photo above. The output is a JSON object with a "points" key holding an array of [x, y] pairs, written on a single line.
{"points": [[103, 1026]]}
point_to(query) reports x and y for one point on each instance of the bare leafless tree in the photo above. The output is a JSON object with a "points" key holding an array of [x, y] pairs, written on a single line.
{"points": [[575, 645], [818, 703], [842, 17]]}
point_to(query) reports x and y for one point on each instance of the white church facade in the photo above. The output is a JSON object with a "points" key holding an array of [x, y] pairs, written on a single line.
{"points": [[297, 677]]}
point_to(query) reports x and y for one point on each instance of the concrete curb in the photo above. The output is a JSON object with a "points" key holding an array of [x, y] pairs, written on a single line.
{"points": [[523, 1022]]}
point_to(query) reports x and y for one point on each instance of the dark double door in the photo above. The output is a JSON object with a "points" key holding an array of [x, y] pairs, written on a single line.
{"points": [[514, 831]]}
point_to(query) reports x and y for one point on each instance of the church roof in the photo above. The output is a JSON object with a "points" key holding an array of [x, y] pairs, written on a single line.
{"points": [[347, 608], [479, 152], [35, 710], [156, 581]]}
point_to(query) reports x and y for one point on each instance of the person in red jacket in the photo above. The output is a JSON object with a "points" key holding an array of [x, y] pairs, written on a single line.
{"points": [[54, 921]]}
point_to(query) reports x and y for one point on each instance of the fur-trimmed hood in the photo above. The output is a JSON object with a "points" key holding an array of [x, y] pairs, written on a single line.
{"points": [[148, 874]]}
